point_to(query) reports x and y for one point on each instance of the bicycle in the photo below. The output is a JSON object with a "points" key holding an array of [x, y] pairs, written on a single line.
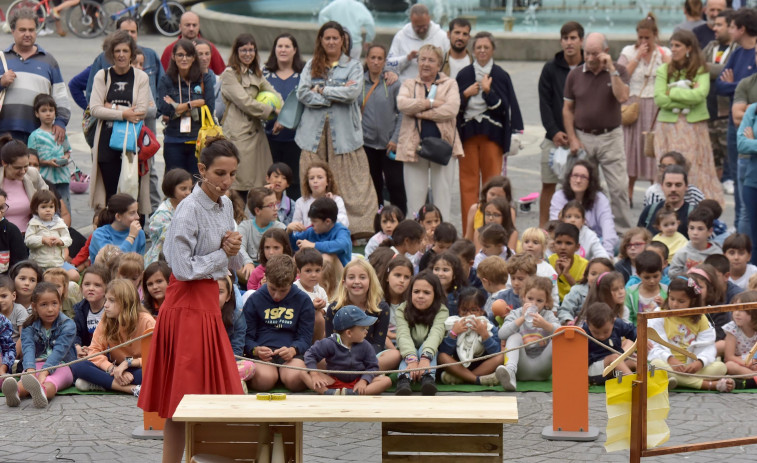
{"points": [[166, 16], [85, 20]]}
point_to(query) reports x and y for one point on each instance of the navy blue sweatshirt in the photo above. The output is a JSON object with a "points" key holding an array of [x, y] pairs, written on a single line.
{"points": [[621, 329], [286, 323], [359, 357]]}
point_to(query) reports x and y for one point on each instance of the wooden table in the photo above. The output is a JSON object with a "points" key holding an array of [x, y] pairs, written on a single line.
{"points": [[444, 428]]}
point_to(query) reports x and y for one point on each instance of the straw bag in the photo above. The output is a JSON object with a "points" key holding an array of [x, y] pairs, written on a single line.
{"points": [[629, 113], [649, 138]]}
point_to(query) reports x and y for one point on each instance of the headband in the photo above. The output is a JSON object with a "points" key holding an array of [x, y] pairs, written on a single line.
{"points": [[691, 283], [599, 278], [700, 272]]}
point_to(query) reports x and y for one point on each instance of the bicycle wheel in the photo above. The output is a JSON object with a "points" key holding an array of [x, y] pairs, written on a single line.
{"points": [[113, 10], [86, 20], [167, 18], [35, 5]]}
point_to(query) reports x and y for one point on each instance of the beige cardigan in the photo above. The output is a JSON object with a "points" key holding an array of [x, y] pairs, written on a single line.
{"points": [[97, 107], [412, 102]]}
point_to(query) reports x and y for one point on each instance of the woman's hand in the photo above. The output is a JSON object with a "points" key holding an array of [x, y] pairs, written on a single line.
{"points": [[168, 99], [486, 83], [391, 147], [277, 127], [231, 243], [132, 115], [197, 103], [749, 133], [642, 51], [472, 90]]}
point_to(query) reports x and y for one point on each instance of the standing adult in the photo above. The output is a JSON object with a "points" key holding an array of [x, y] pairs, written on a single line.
{"points": [[119, 93], [457, 57], [381, 129], [641, 61], [745, 95], [204, 53], [191, 352], [353, 16], [716, 54], [490, 122], [282, 70], [425, 115], [182, 91], [18, 180], [706, 33], [591, 114], [240, 83], [551, 87], [692, 10], [31, 71], [408, 40], [189, 27], [682, 120], [330, 130]]}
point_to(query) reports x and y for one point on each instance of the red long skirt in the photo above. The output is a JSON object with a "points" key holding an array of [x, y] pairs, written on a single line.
{"points": [[190, 351]]}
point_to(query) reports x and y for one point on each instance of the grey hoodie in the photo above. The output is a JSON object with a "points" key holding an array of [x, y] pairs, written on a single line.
{"points": [[687, 257], [405, 41]]}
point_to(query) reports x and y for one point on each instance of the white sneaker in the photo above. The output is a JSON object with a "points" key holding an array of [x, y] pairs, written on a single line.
{"points": [[35, 389], [10, 391], [449, 378], [728, 187], [85, 386], [45, 31], [489, 380], [672, 382], [506, 377], [135, 390]]}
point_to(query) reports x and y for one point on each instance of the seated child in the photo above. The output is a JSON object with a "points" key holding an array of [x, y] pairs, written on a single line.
{"points": [[466, 252], [279, 320], [25, 275], [262, 203], [693, 333], [667, 222], [470, 335], [713, 291], [550, 228], [602, 324], [177, 185], [15, 313], [236, 328], [650, 293], [326, 235], [699, 245], [47, 235], [531, 322], [499, 211], [274, 242], [278, 178], [131, 266], [12, 247], [633, 242], [662, 250], [154, 286], [309, 266], [7, 347], [118, 225], [573, 303], [535, 243], [89, 311], [447, 268], [723, 268], [444, 235], [347, 350], [317, 183], [493, 239], [569, 266], [394, 278], [590, 245], [494, 273], [384, 224], [738, 249], [496, 186], [429, 216], [59, 278], [609, 289], [740, 336]]}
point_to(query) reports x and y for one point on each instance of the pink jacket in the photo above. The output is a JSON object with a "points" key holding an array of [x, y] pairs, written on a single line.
{"points": [[411, 101]]}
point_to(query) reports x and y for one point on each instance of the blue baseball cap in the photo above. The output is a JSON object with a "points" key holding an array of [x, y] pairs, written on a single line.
{"points": [[349, 316]]}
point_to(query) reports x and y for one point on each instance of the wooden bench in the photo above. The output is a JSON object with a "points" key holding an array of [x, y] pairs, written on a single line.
{"points": [[442, 428]]}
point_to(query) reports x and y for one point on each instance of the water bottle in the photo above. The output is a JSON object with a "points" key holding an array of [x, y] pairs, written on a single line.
{"points": [[530, 311], [432, 92]]}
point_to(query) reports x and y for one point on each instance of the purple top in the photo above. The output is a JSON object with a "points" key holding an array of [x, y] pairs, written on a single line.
{"points": [[599, 218]]}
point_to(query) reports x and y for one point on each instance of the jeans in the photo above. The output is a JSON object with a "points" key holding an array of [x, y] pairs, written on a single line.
{"points": [[88, 371], [742, 221], [64, 193], [403, 363], [750, 197], [732, 167], [180, 155]]}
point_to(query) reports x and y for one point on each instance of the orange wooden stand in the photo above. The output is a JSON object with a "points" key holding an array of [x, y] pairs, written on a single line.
{"points": [[152, 427], [570, 388]]}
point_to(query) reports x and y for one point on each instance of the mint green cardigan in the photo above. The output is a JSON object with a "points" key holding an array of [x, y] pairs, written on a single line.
{"points": [[694, 98]]}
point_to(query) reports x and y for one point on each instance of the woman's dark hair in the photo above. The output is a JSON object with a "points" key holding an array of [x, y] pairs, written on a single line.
{"points": [[424, 317], [42, 287], [276, 234], [590, 196], [11, 149], [228, 308], [160, 266], [117, 204], [319, 65], [234, 62], [387, 211], [273, 64], [195, 73], [216, 147], [472, 294], [117, 38], [459, 280], [405, 230], [694, 63], [172, 179], [16, 269], [368, 52]]}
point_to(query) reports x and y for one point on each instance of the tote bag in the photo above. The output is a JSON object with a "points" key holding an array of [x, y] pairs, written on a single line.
{"points": [[291, 113], [128, 180], [124, 136]]}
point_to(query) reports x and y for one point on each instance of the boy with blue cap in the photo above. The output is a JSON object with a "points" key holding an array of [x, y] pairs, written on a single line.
{"points": [[346, 350]]}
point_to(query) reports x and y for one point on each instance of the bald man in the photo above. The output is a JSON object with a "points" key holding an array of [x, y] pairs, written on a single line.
{"points": [[705, 33], [190, 29], [406, 43]]}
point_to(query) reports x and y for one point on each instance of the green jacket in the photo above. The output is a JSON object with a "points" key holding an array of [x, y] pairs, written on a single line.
{"points": [[632, 300], [694, 98], [410, 339]]}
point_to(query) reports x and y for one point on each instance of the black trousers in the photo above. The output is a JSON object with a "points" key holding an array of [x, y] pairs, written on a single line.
{"points": [[387, 172]]}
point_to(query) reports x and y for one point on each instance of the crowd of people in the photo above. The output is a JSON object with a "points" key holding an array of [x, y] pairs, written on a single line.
{"points": [[255, 236]]}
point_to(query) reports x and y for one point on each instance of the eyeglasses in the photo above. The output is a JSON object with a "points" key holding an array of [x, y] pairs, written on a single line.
{"points": [[4, 208], [636, 245], [492, 215], [579, 176], [247, 51], [271, 206], [183, 56]]}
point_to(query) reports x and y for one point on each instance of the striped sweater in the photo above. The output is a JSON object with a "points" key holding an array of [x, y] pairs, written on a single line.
{"points": [[39, 73]]}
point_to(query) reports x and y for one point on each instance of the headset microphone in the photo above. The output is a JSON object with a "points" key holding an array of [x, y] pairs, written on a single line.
{"points": [[205, 180]]}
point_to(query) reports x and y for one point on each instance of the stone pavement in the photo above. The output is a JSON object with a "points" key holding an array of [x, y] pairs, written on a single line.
{"points": [[98, 428]]}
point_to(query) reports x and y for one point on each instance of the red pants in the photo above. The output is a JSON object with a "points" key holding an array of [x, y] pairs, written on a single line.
{"points": [[483, 159]]}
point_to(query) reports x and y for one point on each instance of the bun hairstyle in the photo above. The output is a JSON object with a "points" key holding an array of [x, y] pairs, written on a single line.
{"points": [[117, 204], [216, 147], [649, 23], [11, 149]]}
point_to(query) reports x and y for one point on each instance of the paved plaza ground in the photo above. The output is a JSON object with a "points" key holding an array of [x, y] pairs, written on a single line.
{"points": [[98, 428]]}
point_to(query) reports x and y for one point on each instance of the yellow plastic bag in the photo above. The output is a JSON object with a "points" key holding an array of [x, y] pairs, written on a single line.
{"points": [[619, 411], [209, 129]]}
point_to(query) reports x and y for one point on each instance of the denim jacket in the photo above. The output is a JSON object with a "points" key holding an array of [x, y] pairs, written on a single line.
{"points": [[339, 102], [34, 342]]}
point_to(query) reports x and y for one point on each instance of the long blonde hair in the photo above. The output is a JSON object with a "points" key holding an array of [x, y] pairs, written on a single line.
{"points": [[122, 328], [375, 293]]}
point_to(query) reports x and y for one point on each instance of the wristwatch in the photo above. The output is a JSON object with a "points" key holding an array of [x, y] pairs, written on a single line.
{"points": [[128, 361], [615, 73], [431, 100]]}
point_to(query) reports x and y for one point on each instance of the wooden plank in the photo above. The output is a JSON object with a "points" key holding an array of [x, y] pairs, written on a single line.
{"points": [[443, 428], [302, 408], [237, 450], [442, 458], [718, 444], [431, 443], [243, 432], [698, 311]]}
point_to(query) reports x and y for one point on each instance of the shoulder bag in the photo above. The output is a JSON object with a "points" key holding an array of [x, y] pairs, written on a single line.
{"points": [[291, 112], [434, 149], [89, 122], [629, 113]]}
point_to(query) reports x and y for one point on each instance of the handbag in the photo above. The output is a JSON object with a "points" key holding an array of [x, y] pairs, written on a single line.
{"points": [[291, 112], [128, 180], [649, 138], [148, 145], [89, 122], [124, 136], [434, 149], [629, 113], [209, 129]]}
